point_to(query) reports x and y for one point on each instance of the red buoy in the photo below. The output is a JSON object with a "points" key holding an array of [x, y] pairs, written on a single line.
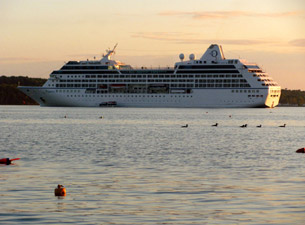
{"points": [[7, 161], [301, 150]]}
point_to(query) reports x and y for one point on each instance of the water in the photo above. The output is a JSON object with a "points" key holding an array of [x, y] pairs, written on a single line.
{"points": [[138, 166]]}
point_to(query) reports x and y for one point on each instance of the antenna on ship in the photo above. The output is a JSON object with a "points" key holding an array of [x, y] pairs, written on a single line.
{"points": [[114, 47], [109, 53]]}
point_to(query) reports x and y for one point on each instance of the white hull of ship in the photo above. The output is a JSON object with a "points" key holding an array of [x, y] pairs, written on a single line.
{"points": [[199, 98]]}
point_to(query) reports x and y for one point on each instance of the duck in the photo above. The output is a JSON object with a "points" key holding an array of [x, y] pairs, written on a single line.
{"points": [[259, 125], [215, 125], [301, 150], [284, 125], [186, 125], [60, 190]]}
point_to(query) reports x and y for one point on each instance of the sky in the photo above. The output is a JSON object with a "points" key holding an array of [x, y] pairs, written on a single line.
{"points": [[39, 36]]}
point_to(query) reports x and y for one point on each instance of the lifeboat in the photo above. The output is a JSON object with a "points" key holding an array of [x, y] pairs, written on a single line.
{"points": [[118, 85], [110, 103], [103, 86]]}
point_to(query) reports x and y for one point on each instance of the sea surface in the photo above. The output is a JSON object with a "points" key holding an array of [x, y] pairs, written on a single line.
{"points": [[138, 166]]}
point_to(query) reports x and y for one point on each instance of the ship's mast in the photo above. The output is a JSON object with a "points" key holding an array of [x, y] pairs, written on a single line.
{"points": [[109, 52]]}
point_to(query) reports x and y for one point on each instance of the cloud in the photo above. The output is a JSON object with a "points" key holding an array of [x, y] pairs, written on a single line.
{"points": [[189, 39], [227, 14], [298, 42]]}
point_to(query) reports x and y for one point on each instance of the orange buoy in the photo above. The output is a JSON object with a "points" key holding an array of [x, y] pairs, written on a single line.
{"points": [[60, 190], [301, 150]]}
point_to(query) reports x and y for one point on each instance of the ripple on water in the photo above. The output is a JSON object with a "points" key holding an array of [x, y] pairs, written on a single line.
{"points": [[137, 166]]}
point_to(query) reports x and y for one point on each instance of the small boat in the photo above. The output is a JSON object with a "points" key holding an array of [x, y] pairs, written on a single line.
{"points": [[244, 126], [186, 125], [215, 125], [110, 103]]}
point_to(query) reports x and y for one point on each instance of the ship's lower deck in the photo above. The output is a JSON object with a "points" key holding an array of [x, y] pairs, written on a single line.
{"points": [[196, 98]]}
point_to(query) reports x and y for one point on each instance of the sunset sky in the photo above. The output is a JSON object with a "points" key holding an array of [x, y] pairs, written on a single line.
{"points": [[38, 36]]}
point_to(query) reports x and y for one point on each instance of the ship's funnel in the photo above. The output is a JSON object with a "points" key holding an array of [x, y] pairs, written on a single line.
{"points": [[213, 53]]}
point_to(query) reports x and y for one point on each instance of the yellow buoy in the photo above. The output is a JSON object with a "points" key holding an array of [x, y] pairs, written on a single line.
{"points": [[60, 190]]}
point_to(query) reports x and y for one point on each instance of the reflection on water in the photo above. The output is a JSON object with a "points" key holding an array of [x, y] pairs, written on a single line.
{"points": [[138, 166]]}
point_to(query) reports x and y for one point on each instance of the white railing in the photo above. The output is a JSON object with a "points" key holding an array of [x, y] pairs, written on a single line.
{"points": [[147, 68]]}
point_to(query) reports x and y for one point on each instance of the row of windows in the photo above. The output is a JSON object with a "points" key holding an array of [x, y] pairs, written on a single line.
{"points": [[74, 63], [201, 85], [255, 71], [269, 84], [260, 75], [245, 91], [147, 71], [207, 71], [270, 80], [249, 91], [233, 91], [68, 91], [223, 85], [151, 96], [206, 67], [155, 76], [105, 94], [257, 96], [159, 80], [221, 81], [84, 67], [135, 96], [275, 91], [86, 72], [76, 85]]}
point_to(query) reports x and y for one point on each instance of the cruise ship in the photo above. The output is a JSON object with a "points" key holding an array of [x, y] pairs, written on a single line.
{"points": [[211, 81]]}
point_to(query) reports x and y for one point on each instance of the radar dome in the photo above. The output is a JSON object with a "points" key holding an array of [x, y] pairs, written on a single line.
{"points": [[192, 56], [181, 56]]}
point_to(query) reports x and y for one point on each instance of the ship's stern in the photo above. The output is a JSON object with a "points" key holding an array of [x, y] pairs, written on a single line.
{"points": [[273, 98]]}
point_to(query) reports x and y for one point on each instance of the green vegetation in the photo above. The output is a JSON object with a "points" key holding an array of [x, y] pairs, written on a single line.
{"points": [[292, 97], [10, 95]]}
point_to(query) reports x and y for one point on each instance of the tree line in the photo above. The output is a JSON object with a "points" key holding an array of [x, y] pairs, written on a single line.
{"points": [[292, 97], [10, 95]]}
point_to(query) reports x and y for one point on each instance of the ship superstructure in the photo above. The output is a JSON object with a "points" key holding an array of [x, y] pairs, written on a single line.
{"points": [[211, 81]]}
